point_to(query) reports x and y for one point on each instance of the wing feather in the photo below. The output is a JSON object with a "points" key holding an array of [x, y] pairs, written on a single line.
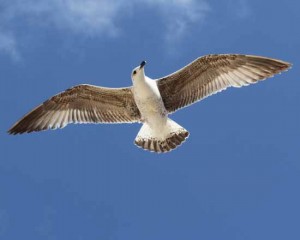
{"points": [[81, 104], [213, 73]]}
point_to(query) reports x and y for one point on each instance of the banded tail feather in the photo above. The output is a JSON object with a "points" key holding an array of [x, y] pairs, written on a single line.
{"points": [[171, 136]]}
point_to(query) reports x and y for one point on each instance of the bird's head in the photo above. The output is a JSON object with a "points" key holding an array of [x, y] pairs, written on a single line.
{"points": [[138, 73]]}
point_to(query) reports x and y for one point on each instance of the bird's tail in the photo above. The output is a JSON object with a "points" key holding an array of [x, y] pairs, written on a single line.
{"points": [[163, 139]]}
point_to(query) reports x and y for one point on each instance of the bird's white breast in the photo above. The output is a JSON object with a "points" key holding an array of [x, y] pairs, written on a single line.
{"points": [[149, 102]]}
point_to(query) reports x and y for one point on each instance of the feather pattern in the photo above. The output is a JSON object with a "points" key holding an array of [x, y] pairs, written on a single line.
{"points": [[81, 104], [213, 73]]}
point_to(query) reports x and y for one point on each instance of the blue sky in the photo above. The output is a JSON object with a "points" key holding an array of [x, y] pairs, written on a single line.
{"points": [[237, 176]]}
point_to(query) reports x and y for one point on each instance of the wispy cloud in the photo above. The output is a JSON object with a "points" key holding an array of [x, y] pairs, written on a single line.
{"points": [[8, 45], [81, 16], [94, 17], [180, 15]]}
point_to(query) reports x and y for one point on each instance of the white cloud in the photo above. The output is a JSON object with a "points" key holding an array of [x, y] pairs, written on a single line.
{"points": [[181, 15], [94, 17], [81, 16], [8, 45]]}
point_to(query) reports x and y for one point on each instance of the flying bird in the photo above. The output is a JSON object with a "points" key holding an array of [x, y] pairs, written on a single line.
{"points": [[149, 101]]}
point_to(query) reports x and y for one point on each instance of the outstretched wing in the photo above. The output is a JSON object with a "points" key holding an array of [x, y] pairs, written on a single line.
{"points": [[81, 104], [213, 73]]}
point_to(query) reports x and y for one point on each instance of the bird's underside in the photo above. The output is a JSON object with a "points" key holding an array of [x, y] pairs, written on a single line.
{"points": [[203, 77]]}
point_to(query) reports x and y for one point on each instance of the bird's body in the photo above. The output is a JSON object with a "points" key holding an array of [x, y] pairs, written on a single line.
{"points": [[148, 101], [159, 133]]}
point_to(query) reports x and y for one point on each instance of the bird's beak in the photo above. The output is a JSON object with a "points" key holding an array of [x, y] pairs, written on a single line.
{"points": [[143, 63]]}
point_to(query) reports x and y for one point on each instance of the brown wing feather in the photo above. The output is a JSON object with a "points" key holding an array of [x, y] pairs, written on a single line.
{"points": [[213, 73], [81, 104]]}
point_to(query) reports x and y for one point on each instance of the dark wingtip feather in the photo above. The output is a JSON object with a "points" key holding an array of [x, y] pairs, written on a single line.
{"points": [[11, 132], [24, 125], [288, 65], [14, 130], [279, 64]]}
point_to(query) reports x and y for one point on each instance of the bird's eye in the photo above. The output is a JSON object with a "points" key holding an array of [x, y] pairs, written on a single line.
{"points": [[134, 72]]}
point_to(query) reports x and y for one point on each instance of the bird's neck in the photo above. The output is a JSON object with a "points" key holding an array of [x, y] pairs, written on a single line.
{"points": [[141, 80]]}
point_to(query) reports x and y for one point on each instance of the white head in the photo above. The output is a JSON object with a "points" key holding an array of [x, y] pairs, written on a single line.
{"points": [[138, 74]]}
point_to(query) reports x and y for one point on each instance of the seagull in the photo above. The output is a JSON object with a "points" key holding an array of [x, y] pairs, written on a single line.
{"points": [[150, 101]]}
